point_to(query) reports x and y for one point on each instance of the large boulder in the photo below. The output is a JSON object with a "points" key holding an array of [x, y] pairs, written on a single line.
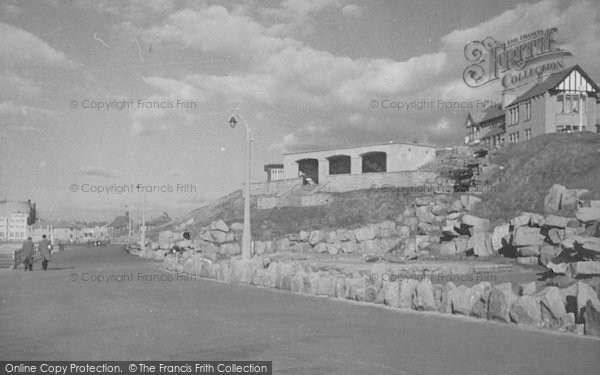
{"points": [[218, 225], [423, 298], [230, 249], [520, 221], [559, 198], [588, 214], [365, 233], [220, 237], [525, 236], [407, 290], [446, 300], [500, 234], [481, 243], [501, 300], [585, 294], [529, 251], [583, 269], [392, 293], [462, 303], [556, 235], [553, 308], [469, 201], [424, 214], [448, 248], [526, 310], [591, 319], [476, 224], [316, 236], [548, 253], [527, 289], [557, 221]]}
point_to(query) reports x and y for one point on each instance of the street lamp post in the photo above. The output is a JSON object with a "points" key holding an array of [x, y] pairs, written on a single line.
{"points": [[247, 235]]}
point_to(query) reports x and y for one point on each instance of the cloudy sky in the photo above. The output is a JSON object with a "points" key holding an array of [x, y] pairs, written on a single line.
{"points": [[303, 74]]}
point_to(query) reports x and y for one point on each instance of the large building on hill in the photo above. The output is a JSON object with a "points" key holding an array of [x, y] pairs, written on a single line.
{"points": [[13, 220], [564, 102]]}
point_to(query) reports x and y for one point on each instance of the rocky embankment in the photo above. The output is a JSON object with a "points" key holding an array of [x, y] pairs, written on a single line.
{"points": [[434, 227]]}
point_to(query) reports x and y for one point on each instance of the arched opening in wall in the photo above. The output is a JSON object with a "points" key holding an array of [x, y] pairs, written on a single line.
{"points": [[309, 169], [339, 164], [373, 162]]}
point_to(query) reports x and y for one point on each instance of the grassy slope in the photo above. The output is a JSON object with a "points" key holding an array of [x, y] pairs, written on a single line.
{"points": [[531, 168]]}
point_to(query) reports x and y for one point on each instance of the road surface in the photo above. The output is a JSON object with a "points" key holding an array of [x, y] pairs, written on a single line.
{"points": [[143, 313]]}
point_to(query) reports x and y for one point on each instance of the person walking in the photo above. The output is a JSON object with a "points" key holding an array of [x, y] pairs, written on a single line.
{"points": [[27, 252], [44, 247]]}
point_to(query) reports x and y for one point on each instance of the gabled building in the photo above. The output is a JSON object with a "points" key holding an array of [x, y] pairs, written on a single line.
{"points": [[565, 102]]}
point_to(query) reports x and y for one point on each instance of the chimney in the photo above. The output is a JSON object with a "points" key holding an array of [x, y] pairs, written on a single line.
{"points": [[507, 98]]}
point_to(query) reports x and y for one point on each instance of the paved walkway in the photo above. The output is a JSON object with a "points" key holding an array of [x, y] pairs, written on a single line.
{"points": [[138, 312]]}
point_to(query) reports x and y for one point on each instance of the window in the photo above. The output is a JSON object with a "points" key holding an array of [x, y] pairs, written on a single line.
{"points": [[528, 110], [527, 134], [513, 116]]}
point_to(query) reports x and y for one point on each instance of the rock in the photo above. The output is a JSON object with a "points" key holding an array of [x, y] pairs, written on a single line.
{"points": [[527, 289], [525, 236], [567, 323], [480, 307], [585, 294], [423, 201], [520, 221], [569, 297], [380, 299], [366, 294], [261, 278], [571, 232], [481, 243], [220, 237], [301, 282], [334, 249], [536, 220], [560, 197], [553, 308], [236, 227], [340, 287], [587, 214], [526, 311], [301, 247], [469, 201], [408, 212], [446, 302], [556, 235], [591, 244], [501, 300], [331, 237], [448, 248], [558, 268], [407, 289], [547, 253], [230, 249], [304, 236], [316, 237], [423, 298], [591, 319], [424, 214], [529, 251], [464, 299], [583, 269], [462, 243], [477, 224], [500, 233], [529, 261], [345, 235], [321, 247], [219, 225], [403, 231], [456, 206], [349, 247], [352, 285], [557, 221], [392, 293], [365, 234], [283, 244], [259, 247]]}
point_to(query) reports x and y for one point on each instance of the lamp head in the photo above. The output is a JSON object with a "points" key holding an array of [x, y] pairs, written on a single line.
{"points": [[232, 122]]}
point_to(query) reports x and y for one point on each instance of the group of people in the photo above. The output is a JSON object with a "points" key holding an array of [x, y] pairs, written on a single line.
{"points": [[28, 253]]}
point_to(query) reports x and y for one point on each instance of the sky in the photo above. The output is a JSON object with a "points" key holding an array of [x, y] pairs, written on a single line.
{"points": [[303, 74]]}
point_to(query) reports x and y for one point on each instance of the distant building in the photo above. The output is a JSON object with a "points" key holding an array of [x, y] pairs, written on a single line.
{"points": [[565, 102], [13, 220], [274, 172]]}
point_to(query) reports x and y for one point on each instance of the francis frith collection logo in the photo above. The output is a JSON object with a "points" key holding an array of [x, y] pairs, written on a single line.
{"points": [[514, 62]]}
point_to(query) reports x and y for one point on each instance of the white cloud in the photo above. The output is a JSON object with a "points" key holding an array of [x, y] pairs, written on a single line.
{"points": [[20, 48]]}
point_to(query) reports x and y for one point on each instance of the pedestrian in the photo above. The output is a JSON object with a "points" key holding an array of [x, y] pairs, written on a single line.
{"points": [[45, 248], [27, 254]]}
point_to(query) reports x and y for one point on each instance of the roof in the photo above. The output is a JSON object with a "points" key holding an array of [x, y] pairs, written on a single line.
{"points": [[359, 146], [551, 82], [119, 222], [7, 208], [487, 114]]}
